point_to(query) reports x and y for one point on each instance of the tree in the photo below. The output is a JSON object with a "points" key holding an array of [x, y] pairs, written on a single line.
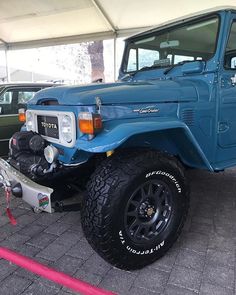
{"points": [[95, 51]]}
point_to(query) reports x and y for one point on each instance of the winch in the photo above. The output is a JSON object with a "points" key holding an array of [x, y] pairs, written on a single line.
{"points": [[27, 154]]}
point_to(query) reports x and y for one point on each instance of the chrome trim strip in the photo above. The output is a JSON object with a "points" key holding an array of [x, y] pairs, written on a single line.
{"points": [[5, 139], [10, 115]]}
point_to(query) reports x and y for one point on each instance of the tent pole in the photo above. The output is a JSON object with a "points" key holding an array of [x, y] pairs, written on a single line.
{"points": [[115, 49], [7, 66]]}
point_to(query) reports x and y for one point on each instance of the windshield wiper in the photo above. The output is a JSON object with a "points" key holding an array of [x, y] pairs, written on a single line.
{"points": [[178, 64], [132, 74]]}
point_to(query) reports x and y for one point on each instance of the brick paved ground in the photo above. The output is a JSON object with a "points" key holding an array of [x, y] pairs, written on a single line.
{"points": [[201, 262]]}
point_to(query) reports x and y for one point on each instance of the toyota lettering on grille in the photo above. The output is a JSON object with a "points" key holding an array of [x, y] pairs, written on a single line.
{"points": [[49, 125]]}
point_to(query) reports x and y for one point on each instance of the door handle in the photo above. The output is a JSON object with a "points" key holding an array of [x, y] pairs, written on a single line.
{"points": [[223, 127]]}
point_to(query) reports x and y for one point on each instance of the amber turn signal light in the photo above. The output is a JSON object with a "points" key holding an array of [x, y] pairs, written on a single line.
{"points": [[21, 115], [90, 123]]}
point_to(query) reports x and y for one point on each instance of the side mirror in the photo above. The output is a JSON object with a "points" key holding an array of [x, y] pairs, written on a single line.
{"points": [[193, 67]]}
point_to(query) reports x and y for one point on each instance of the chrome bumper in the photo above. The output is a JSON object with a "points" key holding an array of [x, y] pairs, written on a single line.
{"points": [[34, 194]]}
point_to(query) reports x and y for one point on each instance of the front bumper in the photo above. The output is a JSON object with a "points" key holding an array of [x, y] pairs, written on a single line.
{"points": [[34, 194]]}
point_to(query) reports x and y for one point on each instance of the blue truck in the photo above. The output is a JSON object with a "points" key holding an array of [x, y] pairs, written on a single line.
{"points": [[173, 108]]}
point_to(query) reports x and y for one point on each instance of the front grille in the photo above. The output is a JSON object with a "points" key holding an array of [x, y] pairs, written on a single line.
{"points": [[48, 126]]}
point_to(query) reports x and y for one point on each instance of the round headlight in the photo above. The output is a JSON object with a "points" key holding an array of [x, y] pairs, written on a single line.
{"points": [[50, 154], [29, 121], [66, 128]]}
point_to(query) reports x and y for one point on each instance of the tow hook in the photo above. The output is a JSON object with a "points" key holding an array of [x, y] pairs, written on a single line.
{"points": [[8, 191], [16, 189]]}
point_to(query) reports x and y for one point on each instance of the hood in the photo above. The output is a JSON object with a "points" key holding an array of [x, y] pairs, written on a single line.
{"points": [[120, 93]]}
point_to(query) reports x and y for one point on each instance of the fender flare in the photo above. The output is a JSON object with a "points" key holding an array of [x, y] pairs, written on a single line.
{"points": [[120, 132]]}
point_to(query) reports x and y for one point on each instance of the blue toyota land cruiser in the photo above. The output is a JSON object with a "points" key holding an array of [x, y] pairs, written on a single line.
{"points": [[173, 107]]}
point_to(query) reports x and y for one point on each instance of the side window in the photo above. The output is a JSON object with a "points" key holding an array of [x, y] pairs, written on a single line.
{"points": [[7, 103], [147, 57], [142, 57], [230, 53], [132, 64]]}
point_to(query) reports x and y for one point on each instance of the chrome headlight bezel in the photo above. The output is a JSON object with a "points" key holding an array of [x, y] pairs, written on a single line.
{"points": [[66, 128], [30, 124]]}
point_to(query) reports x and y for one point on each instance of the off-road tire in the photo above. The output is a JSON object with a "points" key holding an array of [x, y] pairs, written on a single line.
{"points": [[113, 188]]}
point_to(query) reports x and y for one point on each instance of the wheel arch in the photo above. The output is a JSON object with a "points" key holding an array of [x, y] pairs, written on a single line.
{"points": [[173, 137], [173, 141]]}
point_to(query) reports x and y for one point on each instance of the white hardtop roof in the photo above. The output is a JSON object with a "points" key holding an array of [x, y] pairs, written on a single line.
{"points": [[33, 23]]}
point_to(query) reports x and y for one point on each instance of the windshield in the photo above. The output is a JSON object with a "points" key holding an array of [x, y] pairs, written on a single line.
{"points": [[195, 40]]}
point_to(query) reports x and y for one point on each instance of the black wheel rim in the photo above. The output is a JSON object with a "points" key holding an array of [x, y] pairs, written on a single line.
{"points": [[148, 211]]}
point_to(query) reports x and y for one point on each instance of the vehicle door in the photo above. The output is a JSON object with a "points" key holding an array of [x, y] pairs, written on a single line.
{"points": [[11, 100], [227, 110]]}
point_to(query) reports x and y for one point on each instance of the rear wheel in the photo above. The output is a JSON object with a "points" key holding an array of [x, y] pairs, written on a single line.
{"points": [[135, 207]]}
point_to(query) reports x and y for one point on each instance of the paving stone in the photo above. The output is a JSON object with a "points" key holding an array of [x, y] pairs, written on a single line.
{"points": [[96, 264], [220, 242], [53, 252], [219, 275], [219, 257], [48, 219], [166, 262], [81, 250], [208, 289], [8, 229], [153, 280], [201, 228], [27, 219], [78, 229], [14, 285], [32, 230], [17, 212], [88, 277], [71, 218], [186, 278], [3, 220], [68, 264], [42, 287], [188, 258], [3, 234], [15, 241], [69, 238], [57, 228], [6, 268], [28, 250], [118, 281], [194, 241], [174, 290], [139, 291], [42, 240], [61, 292], [203, 220]]}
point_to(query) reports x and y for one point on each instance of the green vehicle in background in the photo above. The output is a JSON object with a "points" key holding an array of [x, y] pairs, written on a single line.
{"points": [[13, 97]]}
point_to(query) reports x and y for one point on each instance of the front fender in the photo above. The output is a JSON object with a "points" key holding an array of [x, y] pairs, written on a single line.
{"points": [[172, 136]]}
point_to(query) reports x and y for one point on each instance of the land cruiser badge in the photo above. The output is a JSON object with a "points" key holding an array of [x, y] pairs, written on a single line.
{"points": [[147, 110]]}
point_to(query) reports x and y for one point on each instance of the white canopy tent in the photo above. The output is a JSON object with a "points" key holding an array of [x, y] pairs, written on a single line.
{"points": [[33, 23]]}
